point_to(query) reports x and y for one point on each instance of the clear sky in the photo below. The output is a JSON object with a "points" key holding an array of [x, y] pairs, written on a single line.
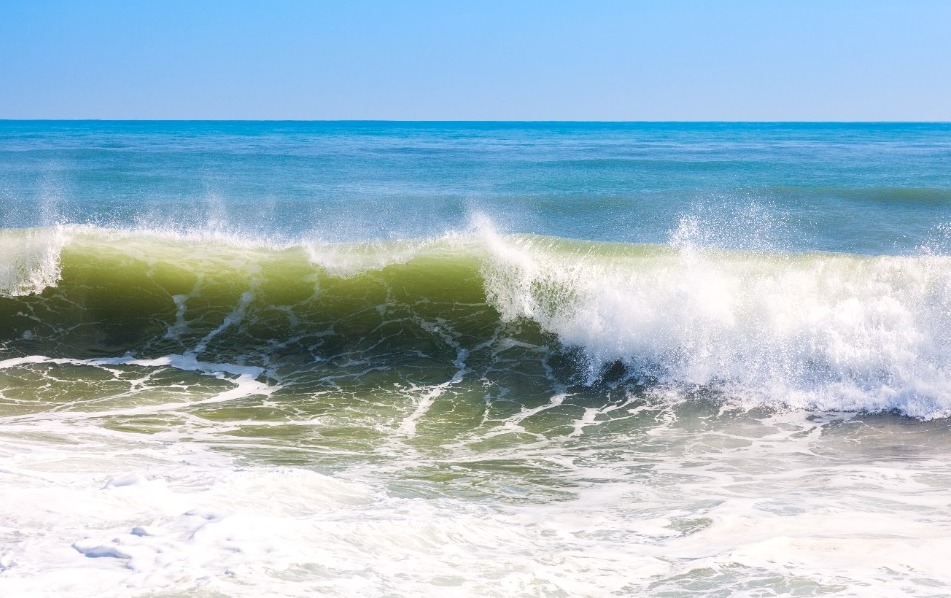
{"points": [[477, 59]]}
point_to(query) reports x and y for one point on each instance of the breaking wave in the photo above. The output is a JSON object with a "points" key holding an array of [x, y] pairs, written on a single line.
{"points": [[812, 331]]}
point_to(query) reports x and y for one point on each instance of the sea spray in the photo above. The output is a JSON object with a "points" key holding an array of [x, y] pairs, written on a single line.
{"points": [[29, 259]]}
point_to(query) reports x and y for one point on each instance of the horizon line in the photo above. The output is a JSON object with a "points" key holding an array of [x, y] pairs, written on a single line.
{"points": [[476, 121]]}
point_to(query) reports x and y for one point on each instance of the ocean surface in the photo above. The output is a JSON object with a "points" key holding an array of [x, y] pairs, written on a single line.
{"points": [[474, 359]]}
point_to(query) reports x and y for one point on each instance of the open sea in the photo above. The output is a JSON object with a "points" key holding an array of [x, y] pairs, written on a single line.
{"points": [[474, 359]]}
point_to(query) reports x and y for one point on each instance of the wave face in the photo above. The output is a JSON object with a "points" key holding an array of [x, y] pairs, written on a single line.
{"points": [[816, 331]]}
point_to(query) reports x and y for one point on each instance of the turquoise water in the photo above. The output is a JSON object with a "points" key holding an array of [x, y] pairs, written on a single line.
{"points": [[855, 188], [474, 358]]}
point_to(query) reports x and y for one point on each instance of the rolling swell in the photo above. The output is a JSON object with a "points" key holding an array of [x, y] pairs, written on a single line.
{"points": [[814, 331]]}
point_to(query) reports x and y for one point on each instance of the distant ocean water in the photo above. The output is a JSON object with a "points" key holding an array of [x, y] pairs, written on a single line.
{"points": [[494, 359]]}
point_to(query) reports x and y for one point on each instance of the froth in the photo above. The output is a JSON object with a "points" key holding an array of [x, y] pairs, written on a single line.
{"points": [[822, 331]]}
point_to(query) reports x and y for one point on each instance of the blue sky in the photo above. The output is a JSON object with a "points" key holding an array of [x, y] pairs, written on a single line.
{"points": [[477, 59]]}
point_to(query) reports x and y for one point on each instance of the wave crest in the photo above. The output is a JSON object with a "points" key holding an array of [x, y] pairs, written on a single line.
{"points": [[29, 260], [818, 331]]}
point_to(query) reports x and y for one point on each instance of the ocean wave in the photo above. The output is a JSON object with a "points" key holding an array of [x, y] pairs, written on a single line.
{"points": [[811, 331]]}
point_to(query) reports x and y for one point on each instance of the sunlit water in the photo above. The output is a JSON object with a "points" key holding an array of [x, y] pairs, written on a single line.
{"points": [[304, 359]]}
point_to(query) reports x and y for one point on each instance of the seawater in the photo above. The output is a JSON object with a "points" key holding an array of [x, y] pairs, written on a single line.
{"points": [[488, 359]]}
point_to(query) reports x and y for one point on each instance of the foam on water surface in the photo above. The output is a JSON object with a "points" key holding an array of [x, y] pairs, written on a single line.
{"points": [[681, 512]]}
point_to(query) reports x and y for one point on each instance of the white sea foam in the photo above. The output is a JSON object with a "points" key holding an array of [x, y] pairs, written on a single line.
{"points": [[244, 381], [89, 511], [820, 331]]}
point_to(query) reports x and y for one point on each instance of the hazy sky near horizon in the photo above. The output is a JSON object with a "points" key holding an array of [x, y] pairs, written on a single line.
{"points": [[477, 60]]}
